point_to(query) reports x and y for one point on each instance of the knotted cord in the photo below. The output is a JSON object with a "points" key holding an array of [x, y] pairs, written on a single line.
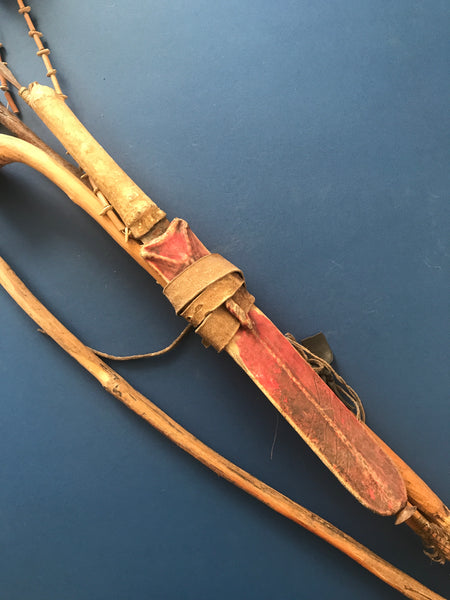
{"points": [[330, 376], [335, 382], [43, 52]]}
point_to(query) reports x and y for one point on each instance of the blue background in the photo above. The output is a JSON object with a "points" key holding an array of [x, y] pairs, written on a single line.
{"points": [[307, 141]]}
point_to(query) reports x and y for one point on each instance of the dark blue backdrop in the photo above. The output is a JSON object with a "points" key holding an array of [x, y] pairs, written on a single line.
{"points": [[307, 141]]}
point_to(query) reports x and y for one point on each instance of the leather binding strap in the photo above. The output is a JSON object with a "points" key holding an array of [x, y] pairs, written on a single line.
{"points": [[211, 295]]}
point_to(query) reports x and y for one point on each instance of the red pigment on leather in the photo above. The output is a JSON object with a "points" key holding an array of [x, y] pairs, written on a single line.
{"points": [[295, 389]]}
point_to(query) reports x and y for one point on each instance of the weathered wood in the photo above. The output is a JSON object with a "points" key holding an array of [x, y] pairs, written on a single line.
{"points": [[123, 391], [136, 209], [431, 520], [20, 130], [15, 150], [12, 149], [4, 86]]}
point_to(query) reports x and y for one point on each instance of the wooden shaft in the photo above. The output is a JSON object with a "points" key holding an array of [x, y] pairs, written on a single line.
{"points": [[4, 87], [123, 391], [419, 494], [432, 519], [15, 150], [8, 97], [12, 149], [19, 129], [136, 209]]}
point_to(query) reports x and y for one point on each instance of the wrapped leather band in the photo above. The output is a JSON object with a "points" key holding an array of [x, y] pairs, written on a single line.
{"points": [[212, 297], [221, 325], [210, 293], [197, 277]]}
